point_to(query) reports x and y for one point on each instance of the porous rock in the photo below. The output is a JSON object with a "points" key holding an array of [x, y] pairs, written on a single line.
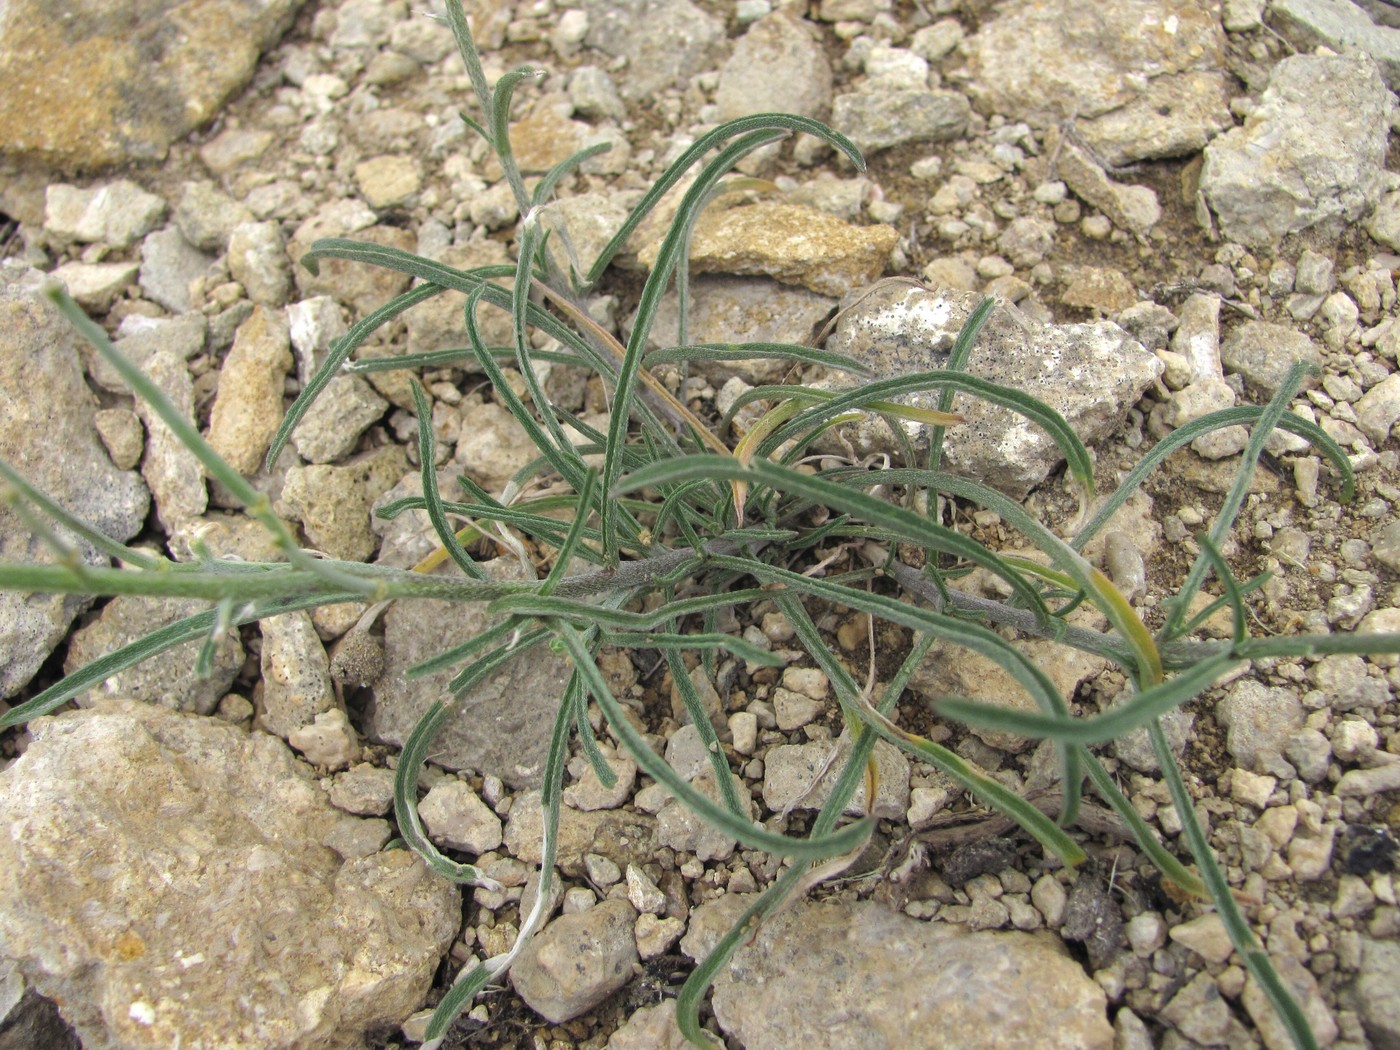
{"points": [[47, 433], [577, 961], [1311, 154], [836, 975], [1139, 79], [1090, 373], [665, 42], [776, 67], [502, 725], [123, 814]]}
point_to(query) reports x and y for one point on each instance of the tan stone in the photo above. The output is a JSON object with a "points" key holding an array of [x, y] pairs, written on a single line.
{"points": [[248, 407]]}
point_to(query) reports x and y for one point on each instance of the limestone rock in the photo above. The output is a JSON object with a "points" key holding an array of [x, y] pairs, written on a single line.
{"points": [[1312, 153], [1139, 79], [776, 67], [790, 769], [333, 502], [170, 679], [207, 216], [190, 811], [1340, 25], [665, 42], [457, 819], [502, 726], [1090, 373], [1263, 353], [795, 244], [168, 264], [1260, 721], [619, 835], [173, 472], [257, 259], [822, 976], [296, 681], [248, 407], [577, 961], [47, 434], [879, 118], [117, 214], [95, 286], [94, 85]]}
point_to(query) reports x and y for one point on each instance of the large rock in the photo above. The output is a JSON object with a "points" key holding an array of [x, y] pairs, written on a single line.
{"points": [[776, 67], [1340, 24], [90, 84], [880, 117], [1139, 78], [1312, 154], [665, 42], [577, 961], [162, 871], [502, 726], [1090, 373], [828, 976], [47, 433]]}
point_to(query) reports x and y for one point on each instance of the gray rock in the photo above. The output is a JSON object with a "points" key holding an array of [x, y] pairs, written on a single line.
{"points": [[502, 726], [192, 810], [117, 214], [1341, 26], [173, 472], [879, 118], [820, 976], [577, 961], [257, 259], [1200, 1013], [207, 216], [1090, 373], [1384, 222], [168, 264], [140, 338], [47, 434], [170, 679], [1263, 353], [365, 790], [296, 680], [594, 94], [121, 435], [776, 67], [1260, 721], [1139, 79], [314, 325], [331, 428], [1312, 153], [1378, 992], [650, 1028], [457, 819], [1379, 408], [665, 42], [95, 286], [438, 324], [790, 769], [680, 828], [589, 793]]}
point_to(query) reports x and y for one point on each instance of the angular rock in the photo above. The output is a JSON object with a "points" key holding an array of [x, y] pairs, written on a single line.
{"points": [[168, 264], [1260, 720], [1311, 154], [1378, 991], [438, 324], [879, 118], [1340, 25], [951, 670], [332, 426], [248, 407], [333, 502], [665, 42], [173, 472], [47, 434], [493, 445], [1139, 79], [1132, 208], [170, 679], [681, 828], [1263, 353], [820, 976], [360, 287], [207, 216], [1090, 373], [650, 1028], [95, 286], [577, 961], [502, 726], [257, 259], [121, 435], [743, 310], [147, 73], [193, 810], [776, 67], [117, 214], [795, 244], [387, 181], [619, 836], [789, 771], [296, 681], [457, 819]]}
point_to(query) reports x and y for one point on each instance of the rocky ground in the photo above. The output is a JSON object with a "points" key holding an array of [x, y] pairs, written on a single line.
{"points": [[1180, 198]]}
